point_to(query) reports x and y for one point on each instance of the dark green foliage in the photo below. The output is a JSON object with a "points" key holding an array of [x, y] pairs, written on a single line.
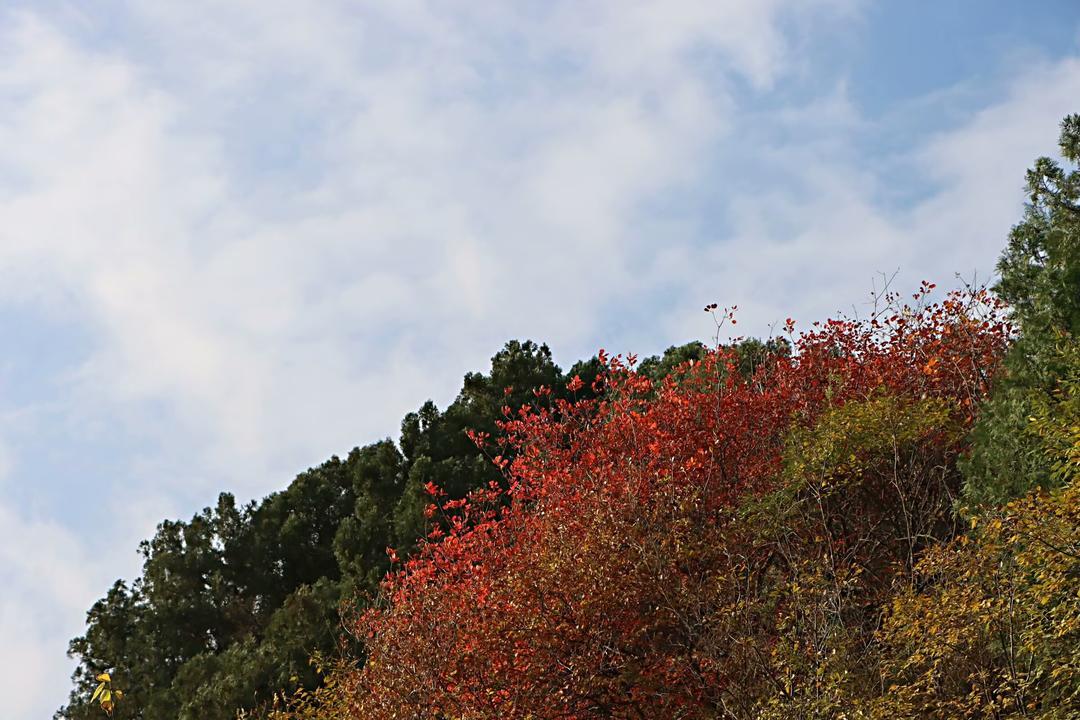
{"points": [[1040, 279], [436, 446], [751, 352], [232, 603], [1040, 268], [658, 367], [754, 353]]}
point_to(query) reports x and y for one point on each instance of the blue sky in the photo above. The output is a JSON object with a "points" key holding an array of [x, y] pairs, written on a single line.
{"points": [[236, 238]]}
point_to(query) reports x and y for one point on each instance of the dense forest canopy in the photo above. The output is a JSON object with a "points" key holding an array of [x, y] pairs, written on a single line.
{"points": [[874, 518]]}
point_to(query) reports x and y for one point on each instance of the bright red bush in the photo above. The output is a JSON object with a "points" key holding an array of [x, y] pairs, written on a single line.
{"points": [[675, 551]]}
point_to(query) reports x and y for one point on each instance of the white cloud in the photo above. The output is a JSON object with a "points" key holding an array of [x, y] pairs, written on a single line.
{"points": [[815, 244], [49, 582], [979, 167], [444, 199]]}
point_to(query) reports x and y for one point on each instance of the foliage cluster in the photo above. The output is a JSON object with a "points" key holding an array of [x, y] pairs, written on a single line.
{"points": [[719, 546]]}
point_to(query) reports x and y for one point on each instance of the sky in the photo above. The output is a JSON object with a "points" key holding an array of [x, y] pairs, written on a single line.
{"points": [[237, 238]]}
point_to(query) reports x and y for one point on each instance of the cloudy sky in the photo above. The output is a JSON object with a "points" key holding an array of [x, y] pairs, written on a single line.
{"points": [[239, 237]]}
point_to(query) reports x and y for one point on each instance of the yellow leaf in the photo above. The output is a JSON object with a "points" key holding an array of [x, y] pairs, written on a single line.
{"points": [[104, 677]]}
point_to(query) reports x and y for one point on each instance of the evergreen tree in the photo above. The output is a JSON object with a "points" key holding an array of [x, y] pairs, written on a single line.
{"points": [[1040, 279]]}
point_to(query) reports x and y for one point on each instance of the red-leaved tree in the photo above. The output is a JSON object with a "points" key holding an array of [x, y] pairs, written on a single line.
{"points": [[720, 545]]}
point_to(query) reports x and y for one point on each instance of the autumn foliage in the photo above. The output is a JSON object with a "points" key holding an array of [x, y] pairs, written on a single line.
{"points": [[724, 544]]}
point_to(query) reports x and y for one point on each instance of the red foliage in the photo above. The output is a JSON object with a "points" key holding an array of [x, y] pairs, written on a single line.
{"points": [[602, 579]]}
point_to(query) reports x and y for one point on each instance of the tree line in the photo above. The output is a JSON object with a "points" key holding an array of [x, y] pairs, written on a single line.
{"points": [[872, 518]]}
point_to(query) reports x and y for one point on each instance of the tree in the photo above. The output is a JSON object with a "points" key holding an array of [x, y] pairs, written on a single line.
{"points": [[991, 626], [1040, 279]]}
